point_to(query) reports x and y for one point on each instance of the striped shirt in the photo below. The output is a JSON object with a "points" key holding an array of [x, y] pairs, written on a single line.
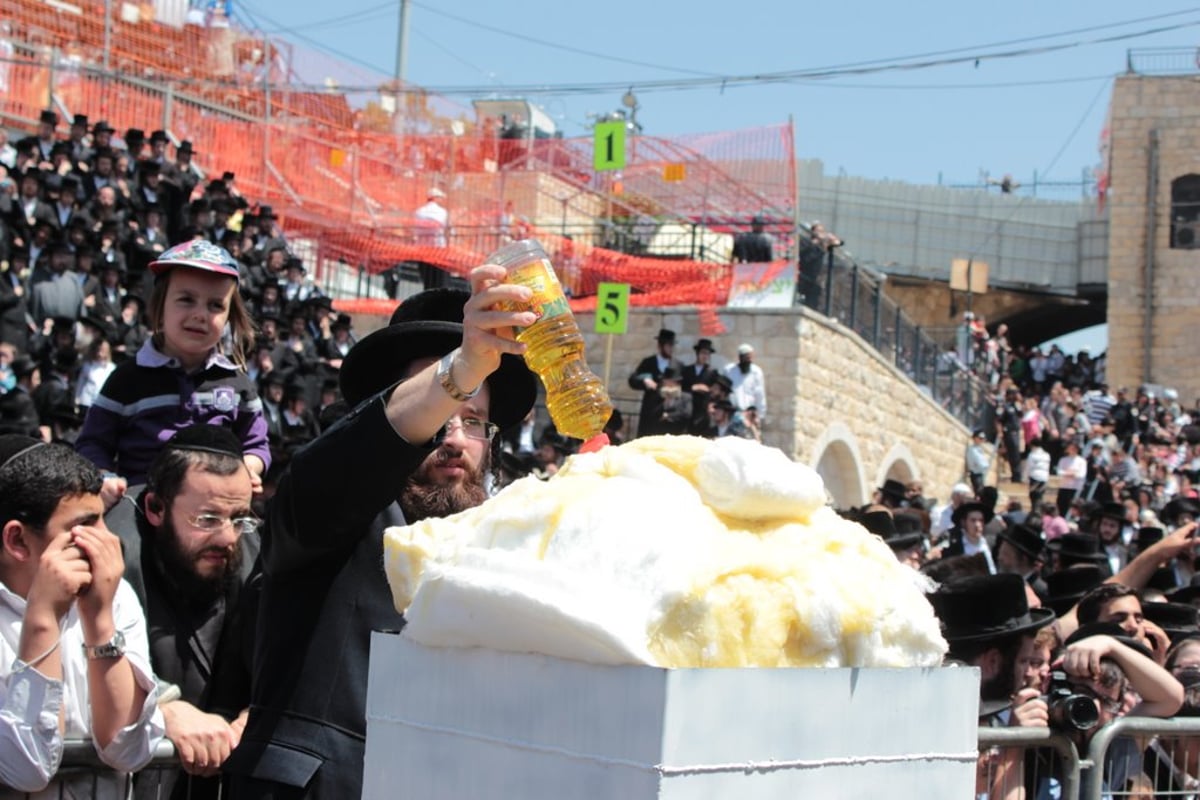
{"points": [[147, 400]]}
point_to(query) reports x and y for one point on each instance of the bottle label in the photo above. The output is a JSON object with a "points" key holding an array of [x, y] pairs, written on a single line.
{"points": [[548, 300]]}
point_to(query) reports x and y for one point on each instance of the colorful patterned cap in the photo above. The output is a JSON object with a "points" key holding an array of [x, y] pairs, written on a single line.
{"points": [[197, 254]]}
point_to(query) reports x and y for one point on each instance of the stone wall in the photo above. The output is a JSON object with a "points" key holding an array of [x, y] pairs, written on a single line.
{"points": [[1140, 105], [833, 402]]}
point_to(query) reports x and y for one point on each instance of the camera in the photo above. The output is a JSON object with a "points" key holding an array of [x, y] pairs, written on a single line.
{"points": [[1068, 709]]}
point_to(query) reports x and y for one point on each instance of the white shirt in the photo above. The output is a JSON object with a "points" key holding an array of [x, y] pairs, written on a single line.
{"points": [[749, 389], [30, 743], [92, 376], [1072, 470], [433, 212], [1037, 466]]}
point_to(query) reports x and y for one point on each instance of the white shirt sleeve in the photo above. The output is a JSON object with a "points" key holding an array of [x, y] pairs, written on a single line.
{"points": [[133, 747], [30, 743]]}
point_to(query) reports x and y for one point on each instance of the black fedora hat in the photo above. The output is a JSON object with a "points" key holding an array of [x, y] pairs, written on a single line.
{"points": [[1179, 620], [103, 127], [49, 117], [1025, 538], [704, 344], [1179, 505], [961, 512], [896, 533], [1186, 594], [981, 607], [665, 335], [430, 324], [1078, 548], [724, 382], [1115, 511], [894, 489], [1147, 536], [1066, 587]]}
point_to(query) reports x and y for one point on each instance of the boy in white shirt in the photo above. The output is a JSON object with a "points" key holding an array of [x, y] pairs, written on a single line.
{"points": [[73, 649]]}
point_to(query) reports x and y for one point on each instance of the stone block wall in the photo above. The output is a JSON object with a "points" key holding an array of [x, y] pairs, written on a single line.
{"points": [[1166, 105]]}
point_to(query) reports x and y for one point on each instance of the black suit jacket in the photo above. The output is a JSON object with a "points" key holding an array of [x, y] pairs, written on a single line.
{"points": [[650, 422], [691, 378]]}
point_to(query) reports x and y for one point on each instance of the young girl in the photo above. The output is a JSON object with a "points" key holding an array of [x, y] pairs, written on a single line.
{"points": [[182, 375]]}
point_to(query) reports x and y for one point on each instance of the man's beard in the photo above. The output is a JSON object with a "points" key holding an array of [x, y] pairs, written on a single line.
{"points": [[744, 366], [1002, 685], [424, 497], [180, 567]]}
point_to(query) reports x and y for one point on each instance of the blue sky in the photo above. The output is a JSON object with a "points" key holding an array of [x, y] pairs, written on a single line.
{"points": [[1024, 113]]}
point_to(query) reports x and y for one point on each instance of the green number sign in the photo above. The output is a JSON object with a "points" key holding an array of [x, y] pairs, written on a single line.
{"points": [[608, 146], [612, 308]]}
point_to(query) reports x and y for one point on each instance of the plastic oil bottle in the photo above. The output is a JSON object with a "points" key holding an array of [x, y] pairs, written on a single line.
{"points": [[575, 397]]}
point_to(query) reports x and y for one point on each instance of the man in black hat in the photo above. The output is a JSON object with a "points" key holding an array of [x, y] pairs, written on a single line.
{"points": [[61, 295], [47, 122], [1109, 524], [183, 173], [752, 247], [1021, 551], [892, 494], [428, 392], [190, 541], [697, 378], [77, 141], [966, 536], [646, 379], [18, 414]]}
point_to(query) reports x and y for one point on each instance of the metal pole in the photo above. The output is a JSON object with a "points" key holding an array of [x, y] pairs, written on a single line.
{"points": [[168, 102], [266, 148], [402, 45], [829, 282], [877, 323], [853, 295], [896, 339], [50, 79]]}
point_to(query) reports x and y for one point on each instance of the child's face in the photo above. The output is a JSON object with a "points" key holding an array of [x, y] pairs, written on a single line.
{"points": [[194, 314]]}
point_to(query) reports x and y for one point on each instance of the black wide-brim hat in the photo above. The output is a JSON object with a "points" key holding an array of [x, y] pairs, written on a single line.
{"points": [[1078, 546], [961, 512], [1066, 587], [430, 324], [1024, 538], [1177, 506], [981, 607], [1178, 620]]}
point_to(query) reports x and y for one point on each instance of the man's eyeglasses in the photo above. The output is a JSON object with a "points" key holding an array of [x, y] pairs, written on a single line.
{"points": [[1106, 703], [472, 428], [215, 522]]}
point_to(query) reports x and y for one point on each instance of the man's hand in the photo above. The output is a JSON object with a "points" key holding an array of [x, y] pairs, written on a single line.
{"points": [[1157, 640], [1029, 710], [202, 740], [63, 573], [1082, 659], [489, 316], [102, 549]]}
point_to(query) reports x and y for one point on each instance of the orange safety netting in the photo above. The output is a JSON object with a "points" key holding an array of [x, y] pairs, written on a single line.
{"points": [[342, 178]]}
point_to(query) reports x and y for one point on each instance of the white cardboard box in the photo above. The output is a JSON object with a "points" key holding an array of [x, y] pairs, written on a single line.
{"points": [[473, 723]]}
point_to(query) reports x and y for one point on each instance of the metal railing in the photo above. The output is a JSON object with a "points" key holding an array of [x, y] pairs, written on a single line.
{"points": [[1163, 60]]}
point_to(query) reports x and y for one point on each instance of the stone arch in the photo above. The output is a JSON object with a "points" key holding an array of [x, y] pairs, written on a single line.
{"points": [[839, 464], [899, 464]]}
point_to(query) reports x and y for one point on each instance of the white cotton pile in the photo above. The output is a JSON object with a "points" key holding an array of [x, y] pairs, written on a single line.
{"points": [[671, 551]]}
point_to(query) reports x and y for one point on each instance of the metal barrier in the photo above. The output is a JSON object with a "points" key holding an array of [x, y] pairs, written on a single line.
{"points": [[1015, 762], [1169, 763], [83, 774]]}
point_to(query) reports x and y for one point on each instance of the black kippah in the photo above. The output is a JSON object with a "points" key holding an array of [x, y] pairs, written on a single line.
{"points": [[207, 439], [13, 445]]}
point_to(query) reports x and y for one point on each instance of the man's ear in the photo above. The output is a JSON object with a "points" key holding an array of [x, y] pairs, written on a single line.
{"points": [[15, 538], [155, 511]]}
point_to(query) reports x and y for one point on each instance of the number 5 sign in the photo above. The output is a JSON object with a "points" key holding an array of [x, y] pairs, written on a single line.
{"points": [[612, 307]]}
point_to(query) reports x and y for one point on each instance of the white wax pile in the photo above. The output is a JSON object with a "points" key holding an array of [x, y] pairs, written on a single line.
{"points": [[672, 551]]}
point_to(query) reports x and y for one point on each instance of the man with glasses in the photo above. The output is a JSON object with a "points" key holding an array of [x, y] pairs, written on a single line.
{"points": [[428, 393], [190, 540]]}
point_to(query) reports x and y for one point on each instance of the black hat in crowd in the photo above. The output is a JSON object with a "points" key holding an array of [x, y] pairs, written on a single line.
{"points": [[1178, 620], [1107, 629], [961, 512], [666, 336], [430, 324], [207, 439], [15, 444], [80, 121], [23, 366], [893, 489], [1066, 587], [49, 117], [100, 325], [135, 136], [186, 146], [102, 126], [899, 532], [266, 212], [1163, 579], [1147, 537], [724, 382], [981, 607], [1115, 511], [704, 344], [1186, 594], [1077, 548], [159, 136], [1179, 505], [1024, 538]]}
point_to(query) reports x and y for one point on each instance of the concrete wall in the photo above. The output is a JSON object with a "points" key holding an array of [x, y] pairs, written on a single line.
{"points": [[833, 402], [1167, 106]]}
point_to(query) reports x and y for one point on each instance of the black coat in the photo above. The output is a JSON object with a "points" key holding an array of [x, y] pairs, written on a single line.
{"points": [[691, 378], [324, 590], [15, 323], [650, 422]]}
